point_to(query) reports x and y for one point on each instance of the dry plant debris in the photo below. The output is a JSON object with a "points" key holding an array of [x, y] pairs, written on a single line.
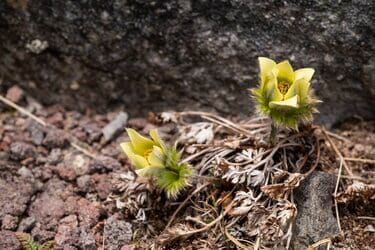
{"points": [[242, 188]]}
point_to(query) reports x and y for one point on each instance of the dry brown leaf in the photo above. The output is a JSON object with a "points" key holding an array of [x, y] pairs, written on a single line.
{"points": [[285, 212], [256, 216], [357, 190], [134, 192], [162, 118], [243, 203], [233, 144], [225, 200], [272, 223], [172, 234], [280, 190], [270, 230]]}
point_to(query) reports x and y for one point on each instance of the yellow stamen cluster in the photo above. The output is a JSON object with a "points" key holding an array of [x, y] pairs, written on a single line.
{"points": [[283, 87], [147, 153]]}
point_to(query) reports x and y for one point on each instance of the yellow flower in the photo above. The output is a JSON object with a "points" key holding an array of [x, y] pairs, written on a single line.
{"points": [[152, 158], [145, 154], [285, 94]]}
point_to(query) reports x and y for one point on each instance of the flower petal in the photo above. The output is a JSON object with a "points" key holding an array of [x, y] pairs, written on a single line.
{"points": [[148, 171], [290, 103], [139, 161], [155, 136], [156, 157], [266, 65], [136, 160], [285, 71], [273, 92], [127, 148], [292, 91], [140, 143], [305, 73], [301, 87]]}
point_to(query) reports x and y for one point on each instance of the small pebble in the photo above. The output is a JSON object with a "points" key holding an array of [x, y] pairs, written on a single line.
{"points": [[115, 126], [15, 94]]}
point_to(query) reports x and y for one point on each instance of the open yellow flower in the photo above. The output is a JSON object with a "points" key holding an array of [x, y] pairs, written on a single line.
{"points": [[152, 158], [285, 94]]}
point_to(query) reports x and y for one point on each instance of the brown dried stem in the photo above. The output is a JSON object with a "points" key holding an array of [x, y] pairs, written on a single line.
{"points": [[74, 142], [197, 190], [337, 152]]}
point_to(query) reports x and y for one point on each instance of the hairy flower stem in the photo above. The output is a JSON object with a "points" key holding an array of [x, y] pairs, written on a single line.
{"points": [[273, 134]]}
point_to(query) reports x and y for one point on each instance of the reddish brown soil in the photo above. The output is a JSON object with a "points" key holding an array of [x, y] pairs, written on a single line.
{"points": [[358, 216]]}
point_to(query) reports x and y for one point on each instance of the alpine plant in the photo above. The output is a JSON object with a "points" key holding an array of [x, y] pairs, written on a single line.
{"points": [[153, 159], [284, 94]]}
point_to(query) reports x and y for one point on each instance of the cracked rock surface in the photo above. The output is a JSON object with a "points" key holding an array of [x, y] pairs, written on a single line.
{"points": [[154, 55]]}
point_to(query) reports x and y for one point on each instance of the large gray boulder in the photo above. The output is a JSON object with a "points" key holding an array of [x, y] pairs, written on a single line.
{"points": [[155, 55]]}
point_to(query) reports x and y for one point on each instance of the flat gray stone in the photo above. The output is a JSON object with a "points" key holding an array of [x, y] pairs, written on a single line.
{"points": [[117, 233], [315, 219], [115, 126], [26, 224]]}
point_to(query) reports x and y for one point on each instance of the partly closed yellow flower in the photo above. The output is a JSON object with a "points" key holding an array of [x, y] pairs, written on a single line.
{"points": [[152, 158], [284, 94], [144, 153]]}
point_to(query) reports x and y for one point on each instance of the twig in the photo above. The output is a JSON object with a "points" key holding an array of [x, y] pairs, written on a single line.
{"points": [[72, 140], [195, 220], [191, 157], [205, 177], [22, 110], [365, 217], [198, 189], [258, 118], [235, 241], [357, 178], [234, 221], [337, 152], [209, 225], [321, 242], [83, 150], [335, 194], [254, 126], [219, 120], [290, 228], [234, 128], [257, 243], [338, 137], [369, 161], [219, 154], [317, 159]]}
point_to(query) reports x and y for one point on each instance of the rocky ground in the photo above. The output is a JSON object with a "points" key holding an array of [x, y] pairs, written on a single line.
{"points": [[51, 190]]}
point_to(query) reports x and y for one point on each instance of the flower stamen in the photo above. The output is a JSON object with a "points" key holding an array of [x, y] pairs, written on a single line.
{"points": [[283, 87], [147, 153]]}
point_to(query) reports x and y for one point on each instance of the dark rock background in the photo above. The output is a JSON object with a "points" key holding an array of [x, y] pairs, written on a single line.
{"points": [[185, 54]]}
